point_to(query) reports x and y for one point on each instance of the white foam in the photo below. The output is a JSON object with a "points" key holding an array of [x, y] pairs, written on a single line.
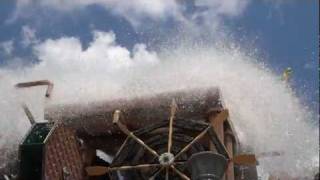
{"points": [[265, 111]]}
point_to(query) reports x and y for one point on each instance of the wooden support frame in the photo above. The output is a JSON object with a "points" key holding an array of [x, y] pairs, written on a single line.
{"points": [[229, 142], [223, 140]]}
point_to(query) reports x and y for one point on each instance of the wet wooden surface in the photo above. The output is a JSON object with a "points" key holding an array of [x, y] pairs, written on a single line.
{"points": [[96, 118]]}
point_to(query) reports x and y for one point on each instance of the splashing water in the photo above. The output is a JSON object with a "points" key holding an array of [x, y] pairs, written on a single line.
{"points": [[265, 111]]}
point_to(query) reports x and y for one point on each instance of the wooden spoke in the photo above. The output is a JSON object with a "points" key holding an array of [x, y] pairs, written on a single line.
{"points": [[167, 173], [157, 173], [182, 175], [140, 166], [162, 168], [126, 131], [193, 141], [172, 114], [100, 170]]}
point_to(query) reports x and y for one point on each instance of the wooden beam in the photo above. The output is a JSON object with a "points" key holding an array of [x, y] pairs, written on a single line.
{"points": [[229, 140], [221, 149]]}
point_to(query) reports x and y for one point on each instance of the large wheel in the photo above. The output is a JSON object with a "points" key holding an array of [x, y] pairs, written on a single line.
{"points": [[161, 150], [156, 137]]}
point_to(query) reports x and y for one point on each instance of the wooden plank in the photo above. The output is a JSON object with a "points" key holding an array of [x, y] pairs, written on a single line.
{"points": [[229, 145], [221, 149], [136, 112]]}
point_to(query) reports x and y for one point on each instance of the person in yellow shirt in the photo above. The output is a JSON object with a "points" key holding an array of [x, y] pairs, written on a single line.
{"points": [[286, 75]]}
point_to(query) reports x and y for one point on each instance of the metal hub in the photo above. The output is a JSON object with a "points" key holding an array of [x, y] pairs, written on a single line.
{"points": [[166, 159]]}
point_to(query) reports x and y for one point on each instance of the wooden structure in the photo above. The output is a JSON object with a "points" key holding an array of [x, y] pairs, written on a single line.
{"points": [[199, 123]]}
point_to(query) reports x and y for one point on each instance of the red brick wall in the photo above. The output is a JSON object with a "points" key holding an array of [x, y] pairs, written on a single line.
{"points": [[62, 150]]}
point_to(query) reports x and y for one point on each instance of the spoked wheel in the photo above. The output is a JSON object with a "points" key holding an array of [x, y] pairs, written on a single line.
{"points": [[161, 150], [156, 136], [155, 152]]}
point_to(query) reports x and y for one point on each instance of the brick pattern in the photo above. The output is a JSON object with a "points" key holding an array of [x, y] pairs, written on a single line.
{"points": [[62, 151]]}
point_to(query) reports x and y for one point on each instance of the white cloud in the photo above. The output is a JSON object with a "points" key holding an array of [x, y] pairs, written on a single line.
{"points": [[7, 47], [225, 7], [103, 54], [142, 55], [28, 35], [134, 11], [138, 10], [154, 8]]}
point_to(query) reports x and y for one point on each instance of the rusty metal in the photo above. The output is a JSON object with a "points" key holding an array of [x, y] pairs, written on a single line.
{"points": [[37, 83]]}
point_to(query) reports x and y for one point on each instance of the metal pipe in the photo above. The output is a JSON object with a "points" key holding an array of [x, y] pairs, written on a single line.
{"points": [[37, 83], [28, 114]]}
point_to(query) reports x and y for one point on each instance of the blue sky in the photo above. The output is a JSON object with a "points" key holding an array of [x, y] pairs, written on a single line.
{"points": [[288, 37], [70, 43], [286, 33]]}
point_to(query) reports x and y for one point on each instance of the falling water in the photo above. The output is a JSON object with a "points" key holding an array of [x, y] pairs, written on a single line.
{"points": [[267, 114]]}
